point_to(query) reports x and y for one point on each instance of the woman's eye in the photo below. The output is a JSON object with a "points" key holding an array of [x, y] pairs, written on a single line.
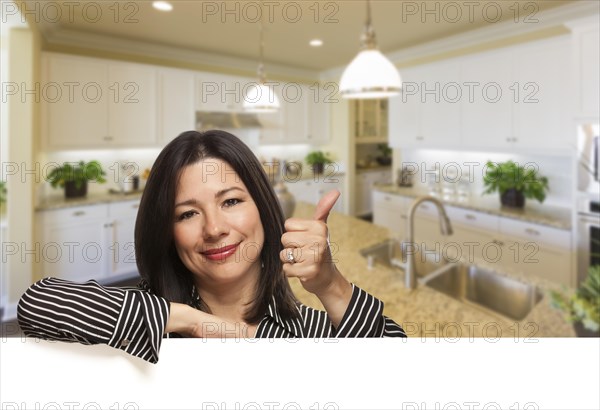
{"points": [[186, 215], [231, 202]]}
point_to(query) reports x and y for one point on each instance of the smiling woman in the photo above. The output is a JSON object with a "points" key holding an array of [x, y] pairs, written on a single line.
{"points": [[215, 255]]}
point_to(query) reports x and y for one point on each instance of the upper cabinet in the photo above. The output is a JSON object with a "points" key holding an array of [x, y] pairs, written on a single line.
{"points": [[509, 99], [586, 46], [176, 103], [370, 119], [93, 103]]}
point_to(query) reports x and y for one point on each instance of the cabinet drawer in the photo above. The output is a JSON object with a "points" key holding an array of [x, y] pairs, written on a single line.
{"points": [[478, 220], [536, 233], [124, 209], [74, 215], [390, 201]]}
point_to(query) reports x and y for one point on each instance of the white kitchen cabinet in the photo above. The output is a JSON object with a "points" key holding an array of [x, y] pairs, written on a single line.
{"points": [[296, 100], [312, 190], [218, 93], [75, 104], [88, 242], [95, 103], [3, 271], [586, 55], [365, 180], [486, 104], [542, 110], [122, 216], [132, 104], [390, 211], [176, 112], [370, 118], [427, 115], [73, 242], [319, 106]]}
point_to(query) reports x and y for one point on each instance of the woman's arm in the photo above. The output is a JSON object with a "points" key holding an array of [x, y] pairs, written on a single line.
{"points": [[190, 322], [132, 320]]}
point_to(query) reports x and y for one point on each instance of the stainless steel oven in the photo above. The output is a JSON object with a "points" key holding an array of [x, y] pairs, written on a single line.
{"points": [[588, 246]]}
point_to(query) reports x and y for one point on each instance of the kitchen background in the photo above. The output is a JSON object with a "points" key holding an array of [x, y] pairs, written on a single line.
{"points": [[449, 121]]}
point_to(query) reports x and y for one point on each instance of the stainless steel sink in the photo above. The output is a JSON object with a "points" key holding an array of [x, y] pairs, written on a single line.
{"points": [[486, 289], [392, 255]]}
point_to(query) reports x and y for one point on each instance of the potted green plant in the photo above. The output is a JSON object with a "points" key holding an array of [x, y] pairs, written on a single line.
{"points": [[583, 307], [74, 177], [386, 154], [514, 183], [317, 160], [2, 192]]}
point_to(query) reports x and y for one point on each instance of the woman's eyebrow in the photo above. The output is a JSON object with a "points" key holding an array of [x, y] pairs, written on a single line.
{"points": [[217, 195]]}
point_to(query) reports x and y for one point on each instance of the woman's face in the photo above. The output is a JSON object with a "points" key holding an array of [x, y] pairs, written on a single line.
{"points": [[217, 228]]}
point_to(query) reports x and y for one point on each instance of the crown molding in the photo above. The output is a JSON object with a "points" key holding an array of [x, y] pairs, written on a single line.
{"points": [[559, 16], [67, 38]]}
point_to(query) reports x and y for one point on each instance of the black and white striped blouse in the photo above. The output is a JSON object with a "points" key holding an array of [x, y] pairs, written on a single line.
{"points": [[134, 320]]}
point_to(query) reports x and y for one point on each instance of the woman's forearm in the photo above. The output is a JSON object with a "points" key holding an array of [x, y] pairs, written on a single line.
{"points": [[191, 322], [336, 298]]}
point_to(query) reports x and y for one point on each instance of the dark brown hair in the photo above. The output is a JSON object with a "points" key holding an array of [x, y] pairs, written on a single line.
{"points": [[157, 259]]}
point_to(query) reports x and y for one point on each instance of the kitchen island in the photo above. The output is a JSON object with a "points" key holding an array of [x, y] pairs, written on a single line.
{"points": [[424, 311]]}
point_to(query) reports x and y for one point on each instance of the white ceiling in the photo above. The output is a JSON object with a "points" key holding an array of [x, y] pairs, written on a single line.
{"points": [[289, 25]]}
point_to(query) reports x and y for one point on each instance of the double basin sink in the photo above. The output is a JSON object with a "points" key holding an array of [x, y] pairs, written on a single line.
{"points": [[471, 284]]}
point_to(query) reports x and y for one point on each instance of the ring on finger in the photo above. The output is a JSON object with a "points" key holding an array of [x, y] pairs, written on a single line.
{"points": [[290, 256]]}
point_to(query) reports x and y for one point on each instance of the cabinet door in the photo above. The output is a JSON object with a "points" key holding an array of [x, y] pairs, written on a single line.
{"points": [[403, 117], [296, 99], [587, 45], [74, 243], [218, 93], [319, 105], [80, 118], [486, 104], [176, 104], [272, 129], [122, 249], [132, 104], [362, 198], [540, 95], [440, 104]]}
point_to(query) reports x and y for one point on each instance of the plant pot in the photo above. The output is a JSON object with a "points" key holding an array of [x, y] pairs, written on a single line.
{"points": [[318, 168], [71, 190], [581, 331], [384, 160], [513, 198]]}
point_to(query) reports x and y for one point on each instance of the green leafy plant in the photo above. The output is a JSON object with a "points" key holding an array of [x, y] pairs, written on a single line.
{"points": [[318, 157], [385, 150], [78, 173], [584, 305], [509, 175], [2, 192]]}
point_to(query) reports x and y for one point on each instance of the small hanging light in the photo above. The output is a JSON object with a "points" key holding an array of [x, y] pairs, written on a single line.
{"points": [[370, 74], [260, 97]]}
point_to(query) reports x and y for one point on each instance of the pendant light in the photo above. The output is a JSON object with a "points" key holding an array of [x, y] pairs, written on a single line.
{"points": [[370, 74], [260, 97]]}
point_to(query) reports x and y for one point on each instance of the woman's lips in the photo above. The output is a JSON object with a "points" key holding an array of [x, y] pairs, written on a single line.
{"points": [[220, 254]]}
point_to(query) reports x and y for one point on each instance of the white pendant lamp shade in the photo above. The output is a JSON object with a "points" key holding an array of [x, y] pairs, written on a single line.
{"points": [[261, 98], [370, 75]]}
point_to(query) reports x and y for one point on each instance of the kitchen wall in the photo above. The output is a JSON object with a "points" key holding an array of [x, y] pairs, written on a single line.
{"points": [[558, 169]]}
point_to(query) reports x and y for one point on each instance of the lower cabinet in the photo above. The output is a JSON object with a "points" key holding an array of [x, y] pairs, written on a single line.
{"points": [[311, 190], [480, 238], [87, 242], [365, 180]]}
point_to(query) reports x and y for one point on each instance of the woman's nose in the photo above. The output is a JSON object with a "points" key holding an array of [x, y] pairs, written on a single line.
{"points": [[215, 225]]}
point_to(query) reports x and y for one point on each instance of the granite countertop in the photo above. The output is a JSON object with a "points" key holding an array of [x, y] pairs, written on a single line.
{"points": [[59, 202], [552, 216], [424, 311], [360, 170]]}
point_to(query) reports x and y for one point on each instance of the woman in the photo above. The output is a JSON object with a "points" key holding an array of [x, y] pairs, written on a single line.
{"points": [[214, 260]]}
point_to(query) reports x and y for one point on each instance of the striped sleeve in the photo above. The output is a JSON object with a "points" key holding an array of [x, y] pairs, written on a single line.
{"points": [[129, 319], [364, 318]]}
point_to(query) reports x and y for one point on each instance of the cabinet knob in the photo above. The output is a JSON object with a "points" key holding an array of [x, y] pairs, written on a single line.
{"points": [[470, 217], [420, 138], [78, 213], [107, 138]]}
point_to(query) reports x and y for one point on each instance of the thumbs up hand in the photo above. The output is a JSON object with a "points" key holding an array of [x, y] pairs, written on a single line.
{"points": [[307, 256]]}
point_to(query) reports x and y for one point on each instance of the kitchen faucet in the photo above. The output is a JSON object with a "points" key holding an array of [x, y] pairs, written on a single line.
{"points": [[445, 227]]}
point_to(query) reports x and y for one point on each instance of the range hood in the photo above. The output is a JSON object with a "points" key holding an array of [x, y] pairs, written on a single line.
{"points": [[209, 120]]}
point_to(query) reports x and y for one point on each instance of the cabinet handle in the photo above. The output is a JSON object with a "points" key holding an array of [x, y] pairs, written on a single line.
{"points": [[107, 138], [470, 217], [403, 217], [78, 213], [497, 242], [532, 232], [109, 225], [420, 138]]}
